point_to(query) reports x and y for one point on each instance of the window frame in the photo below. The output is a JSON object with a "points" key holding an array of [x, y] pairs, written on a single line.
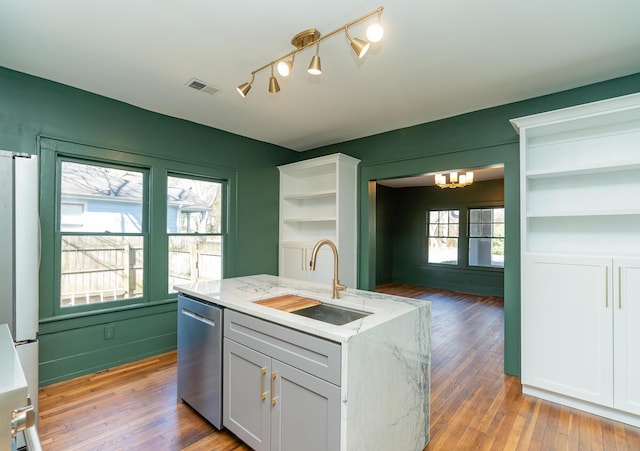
{"points": [[463, 236], [59, 234], [429, 236], [51, 150], [223, 234], [469, 237]]}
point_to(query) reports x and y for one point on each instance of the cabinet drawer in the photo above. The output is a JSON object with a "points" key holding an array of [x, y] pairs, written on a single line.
{"points": [[311, 354]]}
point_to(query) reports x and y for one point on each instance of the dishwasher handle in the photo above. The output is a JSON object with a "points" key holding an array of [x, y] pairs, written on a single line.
{"points": [[198, 317]]}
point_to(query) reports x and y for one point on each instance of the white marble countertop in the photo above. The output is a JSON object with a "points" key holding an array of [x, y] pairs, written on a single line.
{"points": [[240, 294]]}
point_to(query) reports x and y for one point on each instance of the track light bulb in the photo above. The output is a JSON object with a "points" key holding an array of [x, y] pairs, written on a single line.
{"points": [[284, 68], [375, 32]]}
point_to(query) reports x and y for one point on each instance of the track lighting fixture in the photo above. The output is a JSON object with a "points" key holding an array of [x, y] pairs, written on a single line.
{"points": [[244, 88], [285, 67], [310, 37], [273, 83], [358, 45], [314, 67]]}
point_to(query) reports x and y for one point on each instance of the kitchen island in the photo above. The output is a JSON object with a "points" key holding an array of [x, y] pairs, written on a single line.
{"points": [[363, 385]]}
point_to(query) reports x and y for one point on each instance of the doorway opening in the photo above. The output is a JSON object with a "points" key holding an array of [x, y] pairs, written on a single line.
{"points": [[443, 238]]}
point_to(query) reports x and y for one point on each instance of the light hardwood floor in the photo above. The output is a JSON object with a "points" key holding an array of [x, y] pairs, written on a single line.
{"points": [[474, 406]]}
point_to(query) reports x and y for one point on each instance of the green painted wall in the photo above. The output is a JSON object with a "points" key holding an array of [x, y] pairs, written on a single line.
{"points": [[385, 233], [32, 107], [404, 233], [475, 139]]}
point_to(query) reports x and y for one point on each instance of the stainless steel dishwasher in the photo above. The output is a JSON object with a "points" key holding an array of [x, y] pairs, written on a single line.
{"points": [[200, 357]]}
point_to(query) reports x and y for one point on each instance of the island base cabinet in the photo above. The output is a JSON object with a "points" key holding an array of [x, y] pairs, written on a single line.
{"points": [[269, 403], [246, 408], [305, 411]]}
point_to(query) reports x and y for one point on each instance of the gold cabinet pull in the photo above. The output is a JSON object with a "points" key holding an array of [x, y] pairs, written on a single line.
{"points": [[274, 399], [620, 287], [263, 373], [606, 287]]}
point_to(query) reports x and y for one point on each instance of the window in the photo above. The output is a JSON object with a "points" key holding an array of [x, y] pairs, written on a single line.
{"points": [[443, 231], [194, 226], [101, 232], [114, 222], [486, 237]]}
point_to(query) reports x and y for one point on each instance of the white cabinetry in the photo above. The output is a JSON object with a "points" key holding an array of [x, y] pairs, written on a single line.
{"points": [[281, 387], [318, 201], [626, 370], [294, 263], [580, 232]]}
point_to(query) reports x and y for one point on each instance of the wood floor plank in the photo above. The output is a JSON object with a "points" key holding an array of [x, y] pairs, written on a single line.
{"points": [[474, 406]]}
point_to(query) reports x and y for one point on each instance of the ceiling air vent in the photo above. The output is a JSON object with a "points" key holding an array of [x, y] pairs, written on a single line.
{"points": [[201, 86]]}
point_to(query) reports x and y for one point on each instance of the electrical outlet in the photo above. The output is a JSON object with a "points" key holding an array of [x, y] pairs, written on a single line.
{"points": [[109, 331]]}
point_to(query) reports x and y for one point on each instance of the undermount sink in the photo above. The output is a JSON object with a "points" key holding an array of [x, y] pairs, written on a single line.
{"points": [[331, 314], [314, 309]]}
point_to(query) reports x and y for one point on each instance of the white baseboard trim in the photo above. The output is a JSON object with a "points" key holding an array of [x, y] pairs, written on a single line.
{"points": [[606, 412]]}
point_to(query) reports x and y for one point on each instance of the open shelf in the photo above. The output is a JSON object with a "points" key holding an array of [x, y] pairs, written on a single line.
{"points": [[593, 154], [301, 220], [318, 200], [584, 213], [331, 193], [581, 179], [578, 169], [584, 194], [606, 235]]}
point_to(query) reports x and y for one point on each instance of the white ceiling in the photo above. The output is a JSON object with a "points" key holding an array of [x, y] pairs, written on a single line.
{"points": [[438, 58]]}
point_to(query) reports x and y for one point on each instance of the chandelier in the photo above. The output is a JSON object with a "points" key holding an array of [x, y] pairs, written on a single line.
{"points": [[311, 37], [455, 180]]}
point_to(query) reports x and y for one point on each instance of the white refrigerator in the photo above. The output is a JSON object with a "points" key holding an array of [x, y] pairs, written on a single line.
{"points": [[20, 259]]}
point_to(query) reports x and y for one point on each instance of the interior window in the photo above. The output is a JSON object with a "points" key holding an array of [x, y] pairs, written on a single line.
{"points": [[486, 237], [443, 229]]}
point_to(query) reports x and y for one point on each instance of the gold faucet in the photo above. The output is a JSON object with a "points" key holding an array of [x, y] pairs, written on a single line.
{"points": [[337, 286]]}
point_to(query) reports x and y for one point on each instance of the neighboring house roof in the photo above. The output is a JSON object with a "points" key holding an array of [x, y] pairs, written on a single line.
{"points": [[186, 199], [94, 182]]}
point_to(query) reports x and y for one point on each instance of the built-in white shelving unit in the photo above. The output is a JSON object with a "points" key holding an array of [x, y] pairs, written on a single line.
{"points": [[580, 232], [318, 201], [581, 173]]}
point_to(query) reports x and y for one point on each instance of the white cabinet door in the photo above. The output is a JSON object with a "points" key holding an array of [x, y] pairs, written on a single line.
{"points": [[247, 395], [627, 335], [567, 326], [305, 413], [294, 263]]}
